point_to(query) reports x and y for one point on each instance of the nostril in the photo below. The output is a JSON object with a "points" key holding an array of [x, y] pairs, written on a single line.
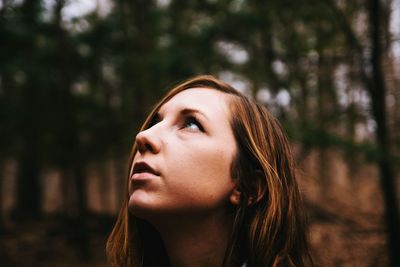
{"points": [[143, 145], [149, 148], [146, 141], [140, 147]]}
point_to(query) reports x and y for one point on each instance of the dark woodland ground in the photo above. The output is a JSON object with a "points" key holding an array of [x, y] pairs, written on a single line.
{"points": [[345, 222], [52, 241]]}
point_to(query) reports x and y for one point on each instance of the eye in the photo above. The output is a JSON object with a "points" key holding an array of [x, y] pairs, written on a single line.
{"points": [[192, 124]]}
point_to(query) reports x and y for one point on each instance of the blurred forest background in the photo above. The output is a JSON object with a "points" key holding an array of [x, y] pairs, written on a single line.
{"points": [[78, 77]]}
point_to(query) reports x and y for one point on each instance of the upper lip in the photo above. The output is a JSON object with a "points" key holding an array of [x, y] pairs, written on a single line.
{"points": [[143, 167]]}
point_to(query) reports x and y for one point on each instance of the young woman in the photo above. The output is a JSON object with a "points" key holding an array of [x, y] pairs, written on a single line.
{"points": [[211, 183]]}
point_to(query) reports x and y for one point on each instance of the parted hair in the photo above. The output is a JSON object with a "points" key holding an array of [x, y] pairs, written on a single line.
{"points": [[269, 222]]}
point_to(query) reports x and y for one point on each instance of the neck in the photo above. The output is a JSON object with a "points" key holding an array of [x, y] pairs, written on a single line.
{"points": [[196, 242]]}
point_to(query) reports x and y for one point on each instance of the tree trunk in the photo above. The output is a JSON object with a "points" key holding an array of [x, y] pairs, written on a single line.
{"points": [[74, 159], [2, 169], [377, 92], [324, 111], [28, 186], [28, 203]]}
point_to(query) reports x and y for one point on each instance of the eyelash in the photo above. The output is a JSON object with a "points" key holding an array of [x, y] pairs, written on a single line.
{"points": [[186, 120]]}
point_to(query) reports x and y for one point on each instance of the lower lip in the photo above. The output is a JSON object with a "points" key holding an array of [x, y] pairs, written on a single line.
{"points": [[141, 176]]}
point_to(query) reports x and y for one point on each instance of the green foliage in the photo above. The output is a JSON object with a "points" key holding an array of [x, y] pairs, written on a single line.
{"points": [[84, 90]]}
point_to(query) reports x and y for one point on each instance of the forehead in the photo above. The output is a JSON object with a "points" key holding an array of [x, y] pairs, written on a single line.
{"points": [[209, 101]]}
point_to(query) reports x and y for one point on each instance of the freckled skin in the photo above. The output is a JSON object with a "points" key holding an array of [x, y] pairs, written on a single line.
{"points": [[194, 166]]}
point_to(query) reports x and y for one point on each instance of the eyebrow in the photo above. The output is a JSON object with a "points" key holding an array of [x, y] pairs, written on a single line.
{"points": [[186, 111]]}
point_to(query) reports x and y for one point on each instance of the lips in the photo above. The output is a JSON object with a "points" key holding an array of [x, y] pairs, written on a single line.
{"points": [[143, 171]]}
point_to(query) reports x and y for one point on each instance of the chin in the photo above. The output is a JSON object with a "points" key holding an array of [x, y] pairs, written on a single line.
{"points": [[141, 205], [138, 204]]}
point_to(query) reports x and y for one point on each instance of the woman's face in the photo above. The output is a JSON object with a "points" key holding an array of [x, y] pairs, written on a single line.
{"points": [[184, 158]]}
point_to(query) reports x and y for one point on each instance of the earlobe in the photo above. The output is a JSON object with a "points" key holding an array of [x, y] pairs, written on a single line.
{"points": [[235, 197]]}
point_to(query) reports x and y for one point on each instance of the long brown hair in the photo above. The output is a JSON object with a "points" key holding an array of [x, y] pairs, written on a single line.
{"points": [[269, 222]]}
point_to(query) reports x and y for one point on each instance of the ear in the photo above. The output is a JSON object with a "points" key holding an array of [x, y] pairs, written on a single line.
{"points": [[259, 188], [235, 196]]}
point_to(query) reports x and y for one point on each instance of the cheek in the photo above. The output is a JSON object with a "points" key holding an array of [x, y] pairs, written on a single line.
{"points": [[206, 168], [218, 163]]}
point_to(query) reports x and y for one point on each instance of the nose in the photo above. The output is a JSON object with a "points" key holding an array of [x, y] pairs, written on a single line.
{"points": [[147, 140]]}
